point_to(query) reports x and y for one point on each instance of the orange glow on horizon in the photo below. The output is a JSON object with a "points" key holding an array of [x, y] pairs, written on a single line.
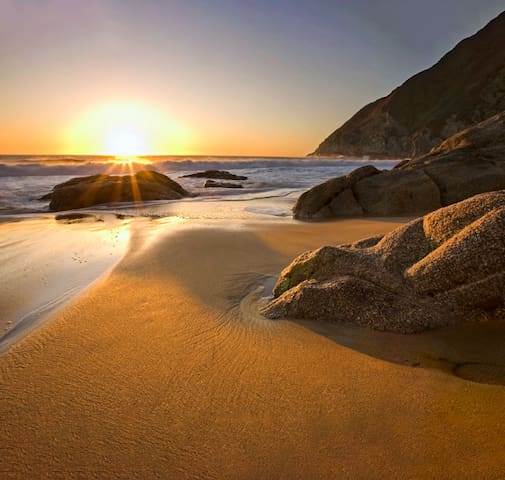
{"points": [[126, 129]]}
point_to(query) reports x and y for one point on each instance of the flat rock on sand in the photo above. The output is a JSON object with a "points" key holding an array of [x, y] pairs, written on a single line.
{"points": [[445, 268]]}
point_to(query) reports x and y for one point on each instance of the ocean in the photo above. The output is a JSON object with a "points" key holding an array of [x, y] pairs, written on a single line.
{"points": [[270, 191]]}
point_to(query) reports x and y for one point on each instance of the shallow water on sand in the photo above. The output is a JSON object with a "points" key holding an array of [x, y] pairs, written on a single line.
{"points": [[45, 263]]}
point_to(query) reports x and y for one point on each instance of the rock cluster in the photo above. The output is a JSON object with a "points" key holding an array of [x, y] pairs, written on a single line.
{"points": [[441, 269], [84, 192], [470, 162]]}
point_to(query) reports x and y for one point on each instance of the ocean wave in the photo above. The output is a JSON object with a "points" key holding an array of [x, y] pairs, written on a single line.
{"points": [[23, 180], [14, 166]]}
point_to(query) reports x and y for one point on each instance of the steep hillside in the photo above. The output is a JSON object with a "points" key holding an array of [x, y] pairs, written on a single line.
{"points": [[465, 87]]}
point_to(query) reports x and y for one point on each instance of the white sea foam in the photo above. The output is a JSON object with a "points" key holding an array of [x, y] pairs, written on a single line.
{"points": [[272, 185]]}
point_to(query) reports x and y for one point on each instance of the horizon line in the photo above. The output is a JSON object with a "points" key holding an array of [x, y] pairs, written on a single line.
{"points": [[154, 155]]}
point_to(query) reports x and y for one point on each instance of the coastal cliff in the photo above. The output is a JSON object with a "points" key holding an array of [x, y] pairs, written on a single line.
{"points": [[464, 88]]}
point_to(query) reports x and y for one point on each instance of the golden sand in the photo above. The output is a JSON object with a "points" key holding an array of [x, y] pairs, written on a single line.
{"points": [[156, 372]]}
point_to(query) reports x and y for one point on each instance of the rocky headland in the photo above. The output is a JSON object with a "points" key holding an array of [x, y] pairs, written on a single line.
{"points": [[82, 192], [464, 88], [442, 269]]}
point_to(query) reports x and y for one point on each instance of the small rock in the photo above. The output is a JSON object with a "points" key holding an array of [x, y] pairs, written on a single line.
{"points": [[213, 184], [216, 174]]}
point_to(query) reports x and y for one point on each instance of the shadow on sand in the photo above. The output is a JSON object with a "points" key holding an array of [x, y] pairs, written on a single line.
{"points": [[472, 351]]}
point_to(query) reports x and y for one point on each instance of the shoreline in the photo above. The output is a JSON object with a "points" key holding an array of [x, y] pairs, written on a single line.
{"points": [[43, 276], [161, 369], [47, 263]]}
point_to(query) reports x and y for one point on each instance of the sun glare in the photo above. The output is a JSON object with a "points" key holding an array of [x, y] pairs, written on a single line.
{"points": [[129, 159], [125, 130], [124, 142]]}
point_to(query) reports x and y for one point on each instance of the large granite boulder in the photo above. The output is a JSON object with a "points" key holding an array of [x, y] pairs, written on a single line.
{"points": [[468, 163], [397, 194], [84, 192], [333, 198], [465, 87], [441, 269], [216, 174]]}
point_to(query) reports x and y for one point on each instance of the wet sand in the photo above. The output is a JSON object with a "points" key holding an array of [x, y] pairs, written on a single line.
{"points": [[162, 369], [45, 263]]}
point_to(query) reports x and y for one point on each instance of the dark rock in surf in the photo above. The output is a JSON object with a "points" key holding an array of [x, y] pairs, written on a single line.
{"points": [[214, 184], [84, 192], [216, 174]]}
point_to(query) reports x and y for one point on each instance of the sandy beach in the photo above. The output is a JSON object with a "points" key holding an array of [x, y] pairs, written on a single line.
{"points": [[163, 368], [252, 240]]}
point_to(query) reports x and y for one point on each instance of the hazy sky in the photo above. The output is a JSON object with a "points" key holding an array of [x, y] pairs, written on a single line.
{"points": [[258, 77]]}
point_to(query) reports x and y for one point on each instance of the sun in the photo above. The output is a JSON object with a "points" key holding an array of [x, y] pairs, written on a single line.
{"points": [[126, 142], [125, 129]]}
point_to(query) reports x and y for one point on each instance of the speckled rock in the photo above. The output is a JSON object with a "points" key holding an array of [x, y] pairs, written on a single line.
{"points": [[444, 268]]}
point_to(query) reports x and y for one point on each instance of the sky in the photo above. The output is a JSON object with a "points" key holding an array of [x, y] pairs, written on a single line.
{"points": [[209, 77]]}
